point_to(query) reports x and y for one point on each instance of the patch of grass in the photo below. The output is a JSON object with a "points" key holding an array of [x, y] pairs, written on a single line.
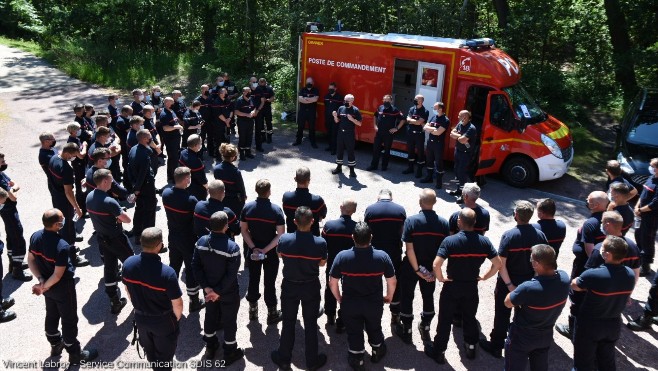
{"points": [[590, 155], [25, 45]]}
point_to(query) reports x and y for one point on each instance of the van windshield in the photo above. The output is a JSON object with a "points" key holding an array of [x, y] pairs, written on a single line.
{"points": [[644, 131], [524, 105]]}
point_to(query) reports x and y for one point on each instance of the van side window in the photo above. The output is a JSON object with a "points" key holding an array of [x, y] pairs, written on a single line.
{"points": [[499, 113]]}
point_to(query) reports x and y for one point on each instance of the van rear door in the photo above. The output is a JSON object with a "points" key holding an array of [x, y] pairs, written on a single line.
{"points": [[429, 83]]}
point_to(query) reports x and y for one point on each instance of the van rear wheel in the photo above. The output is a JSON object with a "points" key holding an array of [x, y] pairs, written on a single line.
{"points": [[519, 172]]}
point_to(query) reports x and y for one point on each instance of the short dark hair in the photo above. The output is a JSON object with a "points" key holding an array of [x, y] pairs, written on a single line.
{"points": [[143, 133], [547, 206], [621, 188], [102, 131], [303, 175], [613, 167], [126, 109], [362, 234], [441, 105], [218, 221], [196, 103], [136, 120], [112, 97], [615, 246], [78, 107], [262, 187], [100, 153], [101, 174], [303, 216], [181, 173], [100, 118], [544, 255], [151, 237], [71, 148], [50, 217]]}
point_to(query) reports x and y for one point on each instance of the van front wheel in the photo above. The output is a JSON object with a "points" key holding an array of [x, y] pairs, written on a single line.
{"points": [[519, 172]]}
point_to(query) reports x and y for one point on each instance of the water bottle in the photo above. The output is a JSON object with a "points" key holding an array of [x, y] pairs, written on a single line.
{"points": [[131, 198], [638, 220], [423, 270], [258, 256]]}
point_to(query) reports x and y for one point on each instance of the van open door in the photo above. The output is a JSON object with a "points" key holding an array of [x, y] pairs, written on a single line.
{"points": [[429, 83]]}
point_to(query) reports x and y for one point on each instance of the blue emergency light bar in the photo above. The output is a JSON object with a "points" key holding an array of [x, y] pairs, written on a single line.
{"points": [[478, 43]]}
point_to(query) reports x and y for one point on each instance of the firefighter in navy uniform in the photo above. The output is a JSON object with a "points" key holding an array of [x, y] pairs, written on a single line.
{"points": [[537, 304], [606, 291], [60, 176], [611, 225], [121, 128], [470, 194], [179, 206], [138, 102], [259, 136], [222, 115], [142, 180], [554, 229], [171, 135], [360, 270], [100, 159], [262, 224], [422, 235], [245, 109], [154, 293], [388, 121], [266, 94], [49, 261], [216, 263], [302, 254], [588, 235], [647, 209], [205, 208], [308, 101], [436, 129], [190, 158], [106, 216], [46, 152], [465, 135], [5, 303], [192, 121], [465, 253], [207, 130], [347, 118], [302, 197], [386, 220], [79, 164], [619, 195], [332, 100], [13, 227], [514, 252], [416, 119], [228, 173], [338, 234]]}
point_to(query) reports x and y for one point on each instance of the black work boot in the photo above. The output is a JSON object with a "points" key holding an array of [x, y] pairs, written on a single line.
{"points": [[435, 354], [428, 178], [232, 353], [269, 138], [196, 303], [645, 270], [340, 325], [424, 329], [84, 355], [419, 171], [403, 331], [211, 348], [7, 303], [273, 316], [18, 273], [410, 168], [331, 318], [439, 181], [253, 311], [488, 347], [242, 154], [566, 329], [6, 315], [352, 173], [356, 361], [248, 153], [56, 349], [276, 358], [337, 170], [395, 319], [378, 353], [372, 167], [117, 303], [642, 323]]}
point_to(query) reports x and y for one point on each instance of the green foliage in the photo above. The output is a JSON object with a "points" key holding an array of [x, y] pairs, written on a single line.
{"points": [[20, 19]]}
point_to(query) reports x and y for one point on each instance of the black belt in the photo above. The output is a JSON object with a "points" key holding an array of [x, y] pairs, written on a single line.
{"points": [[139, 312]]}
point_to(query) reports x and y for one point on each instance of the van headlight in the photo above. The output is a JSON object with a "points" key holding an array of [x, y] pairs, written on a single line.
{"points": [[552, 146], [625, 165]]}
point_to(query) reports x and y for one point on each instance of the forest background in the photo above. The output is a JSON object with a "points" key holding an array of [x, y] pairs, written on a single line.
{"points": [[582, 60]]}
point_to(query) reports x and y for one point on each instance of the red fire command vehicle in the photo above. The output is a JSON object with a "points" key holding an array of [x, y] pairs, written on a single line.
{"points": [[517, 138]]}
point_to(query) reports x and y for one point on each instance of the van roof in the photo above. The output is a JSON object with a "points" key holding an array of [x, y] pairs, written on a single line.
{"points": [[440, 42]]}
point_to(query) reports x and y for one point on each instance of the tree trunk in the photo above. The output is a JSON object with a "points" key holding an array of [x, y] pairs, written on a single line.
{"points": [[209, 27], [502, 11], [621, 49]]}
